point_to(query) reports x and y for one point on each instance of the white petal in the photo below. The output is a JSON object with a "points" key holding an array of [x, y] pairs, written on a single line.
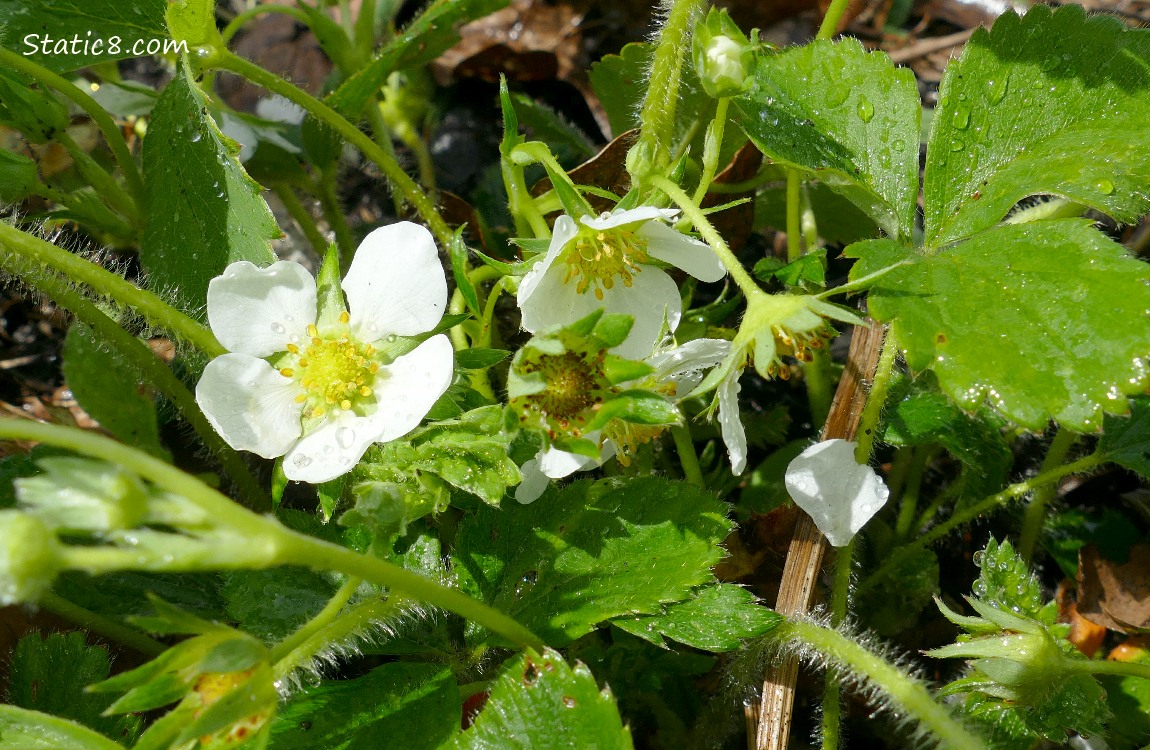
{"points": [[406, 389], [259, 311], [695, 257], [534, 482], [328, 451], [563, 232], [630, 216], [395, 283], [683, 365], [551, 302], [652, 298], [839, 494], [557, 464], [250, 404], [731, 424]]}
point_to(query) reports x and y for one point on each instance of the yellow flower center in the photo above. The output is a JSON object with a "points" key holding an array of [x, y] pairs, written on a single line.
{"points": [[334, 372], [598, 256]]}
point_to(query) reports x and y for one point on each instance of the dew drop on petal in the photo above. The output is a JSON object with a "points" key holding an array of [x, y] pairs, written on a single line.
{"points": [[345, 436], [278, 327], [301, 461]]}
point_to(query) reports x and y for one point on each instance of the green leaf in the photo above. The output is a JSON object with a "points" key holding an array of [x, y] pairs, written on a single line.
{"points": [[59, 22], [898, 600], [570, 146], [18, 177], [1045, 319], [540, 703], [101, 381], [1006, 582], [1129, 699], [479, 466], [271, 604], [193, 21], [204, 211], [1049, 103], [479, 359], [1126, 440], [809, 271], [402, 704], [21, 729], [50, 675], [592, 551], [844, 116], [717, 619]]}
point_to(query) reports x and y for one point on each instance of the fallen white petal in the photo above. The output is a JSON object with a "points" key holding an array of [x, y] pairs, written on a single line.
{"points": [[259, 311], [839, 494]]}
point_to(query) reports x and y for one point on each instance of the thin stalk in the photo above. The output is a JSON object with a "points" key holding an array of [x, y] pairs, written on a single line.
{"points": [[832, 690], [154, 310], [281, 545], [879, 387], [908, 693], [1035, 515], [322, 619], [225, 60], [360, 618], [487, 326], [688, 458], [820, 385], [714, 145], [908, 502], [1107, 666], [238, 22], [301, 216], [329, 201], [112, 134], [382, 136], [831, 20], [101, 625], [972, 512], [99, 178], [794, 215], [152, 370]]}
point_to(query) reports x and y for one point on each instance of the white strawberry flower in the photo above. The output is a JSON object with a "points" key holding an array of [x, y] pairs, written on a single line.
{"points": [[609, 262], [839, 494], [318, 392]]}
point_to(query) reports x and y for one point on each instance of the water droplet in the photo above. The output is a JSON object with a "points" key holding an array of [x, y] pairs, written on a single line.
{"points": [[391, 338], [865, 109], [345, 436], [301, 460], [976, 558], [996, 89], [328, 449], [195, 136], [1105, 186], [961, 118], [837, 95], [278, 327], [957, 145]]}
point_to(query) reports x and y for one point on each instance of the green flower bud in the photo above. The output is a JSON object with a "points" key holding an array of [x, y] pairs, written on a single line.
{"points": [[723, 56], [80, 494], [29, 557]]}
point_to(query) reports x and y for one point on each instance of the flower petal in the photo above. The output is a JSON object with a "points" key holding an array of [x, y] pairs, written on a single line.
{"points": [[259, 311], [670, 246], [652, 300], [563, 232], [630, 216], [683, 365], [395, 283], [839, 494], [534, 482], [730, 423], [328, 451], [250, 404]]}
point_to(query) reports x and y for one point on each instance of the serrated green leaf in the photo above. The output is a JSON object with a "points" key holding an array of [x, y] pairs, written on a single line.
{"points": [[89, 21], [49, 674], [204, 211], [481, 467], [592, 551], [844, 116], [403, 704], [1126, 440], [717, 619], [839, 221], [1043, 320], [479, 359], [21, 729], [270, 604], [102, 382], [1049, 103], [539, 702]]}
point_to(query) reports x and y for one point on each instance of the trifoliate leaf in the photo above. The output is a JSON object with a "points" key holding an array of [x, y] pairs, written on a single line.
{"points": [[1044, 320], [540, 703], [1052, 102], [21, 729], [590, 552], [1126, 440], [717, 619], [844, 116], [204, 211], [49, 674], [402, 704]]}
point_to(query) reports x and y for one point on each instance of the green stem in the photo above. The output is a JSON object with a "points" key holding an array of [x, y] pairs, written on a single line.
{"points": [[971, 512], [794, 215], [301, 216], [908, 502], [820, 385], [876, 399], [278, 544], [657, 116], [712, 237], [321, 620], [111, 223], [904, 690], [97, 177], [112, 134], [329, 201], [1035, 515], [831, 20], [421, 201], [487, 324], [863, 283], [832, 690], [712, 146], [359, 619], [687, 456], [154, 310], [237, 23], [152, 370], [101, 625], [1118, 668]]}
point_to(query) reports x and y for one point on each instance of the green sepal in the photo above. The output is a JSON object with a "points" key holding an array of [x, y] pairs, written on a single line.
{"points": [[458, 254], [19, 177], [612, 329], [330, 302], [37, 114], [480, 358], [619, 370], [637, 406]]}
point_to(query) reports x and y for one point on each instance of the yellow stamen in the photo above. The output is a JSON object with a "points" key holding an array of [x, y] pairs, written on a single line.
{"points": [[344, 317]]}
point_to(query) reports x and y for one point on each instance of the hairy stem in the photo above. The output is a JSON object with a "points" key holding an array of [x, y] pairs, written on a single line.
{"points": [[1035, 515]]}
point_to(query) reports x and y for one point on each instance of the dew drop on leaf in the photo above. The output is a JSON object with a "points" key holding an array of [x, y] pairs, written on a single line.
{"points": [[195, 136], [957, 145], [996, 89], [865, 109], [961, 118], [1105, 186]]}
